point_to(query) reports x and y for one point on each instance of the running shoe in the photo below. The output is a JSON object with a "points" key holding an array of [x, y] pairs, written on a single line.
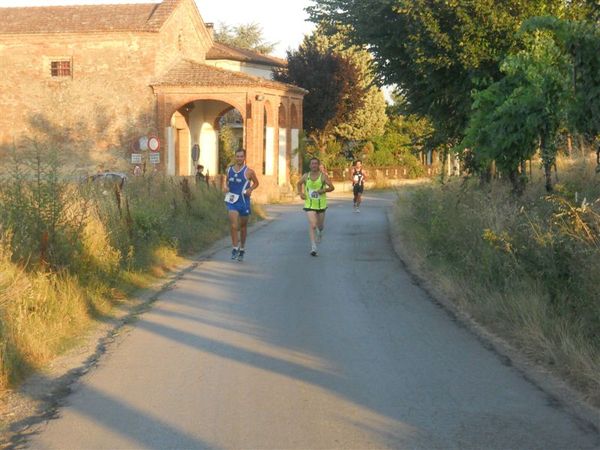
{"points": [[313, 251], [234, 253], [240, 256]]}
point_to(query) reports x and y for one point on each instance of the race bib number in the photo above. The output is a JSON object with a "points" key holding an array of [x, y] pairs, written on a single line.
{"points": [[231, 197], [314, 194]]}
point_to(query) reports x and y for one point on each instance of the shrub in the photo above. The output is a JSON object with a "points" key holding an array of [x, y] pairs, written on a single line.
{"points": [[526, 267], [66, 248]]}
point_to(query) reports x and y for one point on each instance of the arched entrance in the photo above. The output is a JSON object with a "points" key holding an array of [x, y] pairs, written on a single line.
{"points": [[230, 127], [198, 123]]}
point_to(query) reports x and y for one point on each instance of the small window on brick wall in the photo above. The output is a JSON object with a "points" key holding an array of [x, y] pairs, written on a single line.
{"points": [[60, 68]]}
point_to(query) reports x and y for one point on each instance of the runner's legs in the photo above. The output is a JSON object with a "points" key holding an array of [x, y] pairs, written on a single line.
{"points": [[243, 230], [234, 219], [312, 224], [320, 220]]}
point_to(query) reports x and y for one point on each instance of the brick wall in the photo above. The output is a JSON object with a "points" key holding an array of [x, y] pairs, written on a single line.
{"points": [[106, 94], [108, 99], [182, 36]]}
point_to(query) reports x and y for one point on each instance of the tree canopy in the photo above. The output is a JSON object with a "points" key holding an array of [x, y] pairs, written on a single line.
{"points": [[504, 78], [523, 111], [335, 84], [368, 120], [436, 52], [248, 36]]}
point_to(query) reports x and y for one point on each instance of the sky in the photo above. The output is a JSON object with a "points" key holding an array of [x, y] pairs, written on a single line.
{"points": [[283, 21]]}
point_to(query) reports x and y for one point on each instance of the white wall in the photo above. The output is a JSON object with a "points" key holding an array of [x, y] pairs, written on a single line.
{"points": [[282, 167], [201, 120], [209, 149], [196, 119], [295, 146], [170, 151], [257, 70], [270, 151]]}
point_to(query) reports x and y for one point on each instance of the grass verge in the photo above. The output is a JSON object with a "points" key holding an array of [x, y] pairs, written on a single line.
{"points": [[526, 268], [71, 252]]}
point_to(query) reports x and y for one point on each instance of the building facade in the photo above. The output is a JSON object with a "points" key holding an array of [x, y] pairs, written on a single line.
{"points": [[105, 75]]}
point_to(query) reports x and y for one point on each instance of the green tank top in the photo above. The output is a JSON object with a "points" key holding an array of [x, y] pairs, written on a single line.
{"points": [[314, 200]]}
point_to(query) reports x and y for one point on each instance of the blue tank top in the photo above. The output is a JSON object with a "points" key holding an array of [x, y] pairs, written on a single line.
{"points": [[237, 182]]}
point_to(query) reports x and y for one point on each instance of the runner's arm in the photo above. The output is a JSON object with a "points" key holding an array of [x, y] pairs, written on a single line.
{"points": [[300, 187], [252, 177], [227, 178], [330, 187]]}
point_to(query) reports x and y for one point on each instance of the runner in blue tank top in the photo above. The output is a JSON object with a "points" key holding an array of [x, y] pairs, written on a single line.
{"points": [[241, 182]]}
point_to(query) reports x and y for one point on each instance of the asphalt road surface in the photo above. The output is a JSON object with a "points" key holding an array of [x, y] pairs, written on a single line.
{"points": [[287, 351]]}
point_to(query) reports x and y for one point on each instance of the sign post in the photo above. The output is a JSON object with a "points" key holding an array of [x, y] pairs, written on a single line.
{"points": [[153, 144], [195, 153], [136, 158], [154, 157], [145, 145]]}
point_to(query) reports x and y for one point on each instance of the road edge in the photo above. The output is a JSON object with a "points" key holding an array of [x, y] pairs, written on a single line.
{"points": [[559, 392], [47, 391]]}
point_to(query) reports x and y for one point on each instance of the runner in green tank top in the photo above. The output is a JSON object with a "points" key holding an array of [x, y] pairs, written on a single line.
{"points": [[313, 188]]}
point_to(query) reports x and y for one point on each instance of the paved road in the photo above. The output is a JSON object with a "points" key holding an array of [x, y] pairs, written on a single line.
{"points": [[288, 351]]}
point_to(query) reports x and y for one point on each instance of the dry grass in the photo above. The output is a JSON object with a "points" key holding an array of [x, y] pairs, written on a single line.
{"points": [[526, 268], [104, 247]]}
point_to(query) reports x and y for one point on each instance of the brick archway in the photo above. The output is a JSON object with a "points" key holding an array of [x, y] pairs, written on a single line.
{"points": [[240, 105], [222, 114], [269, 115], [294, 117], [258, 107], [234, 138], [196, 124], [282, 116]]}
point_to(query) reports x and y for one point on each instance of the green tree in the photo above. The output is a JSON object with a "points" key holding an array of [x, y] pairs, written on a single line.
{"points": [[579, 42], [335, 85], [227, 147], [403, 139], [248, 36], [437, 52], [369, 120], [523, 111]]}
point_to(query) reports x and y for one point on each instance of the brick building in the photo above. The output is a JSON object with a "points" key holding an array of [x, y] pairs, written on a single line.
{"points": [[107, 74]]}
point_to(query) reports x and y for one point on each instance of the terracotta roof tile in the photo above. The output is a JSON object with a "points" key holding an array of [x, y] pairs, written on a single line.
{"points": [[191, 73], [161, 14], [224, 51], [86, 18]]}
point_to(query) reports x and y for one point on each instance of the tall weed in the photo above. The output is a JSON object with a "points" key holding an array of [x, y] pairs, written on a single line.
{"points": [[68, 247], [528, 267]]}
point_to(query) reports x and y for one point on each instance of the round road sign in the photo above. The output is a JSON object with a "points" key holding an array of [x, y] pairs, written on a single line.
{"points": [[153, 143]]}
